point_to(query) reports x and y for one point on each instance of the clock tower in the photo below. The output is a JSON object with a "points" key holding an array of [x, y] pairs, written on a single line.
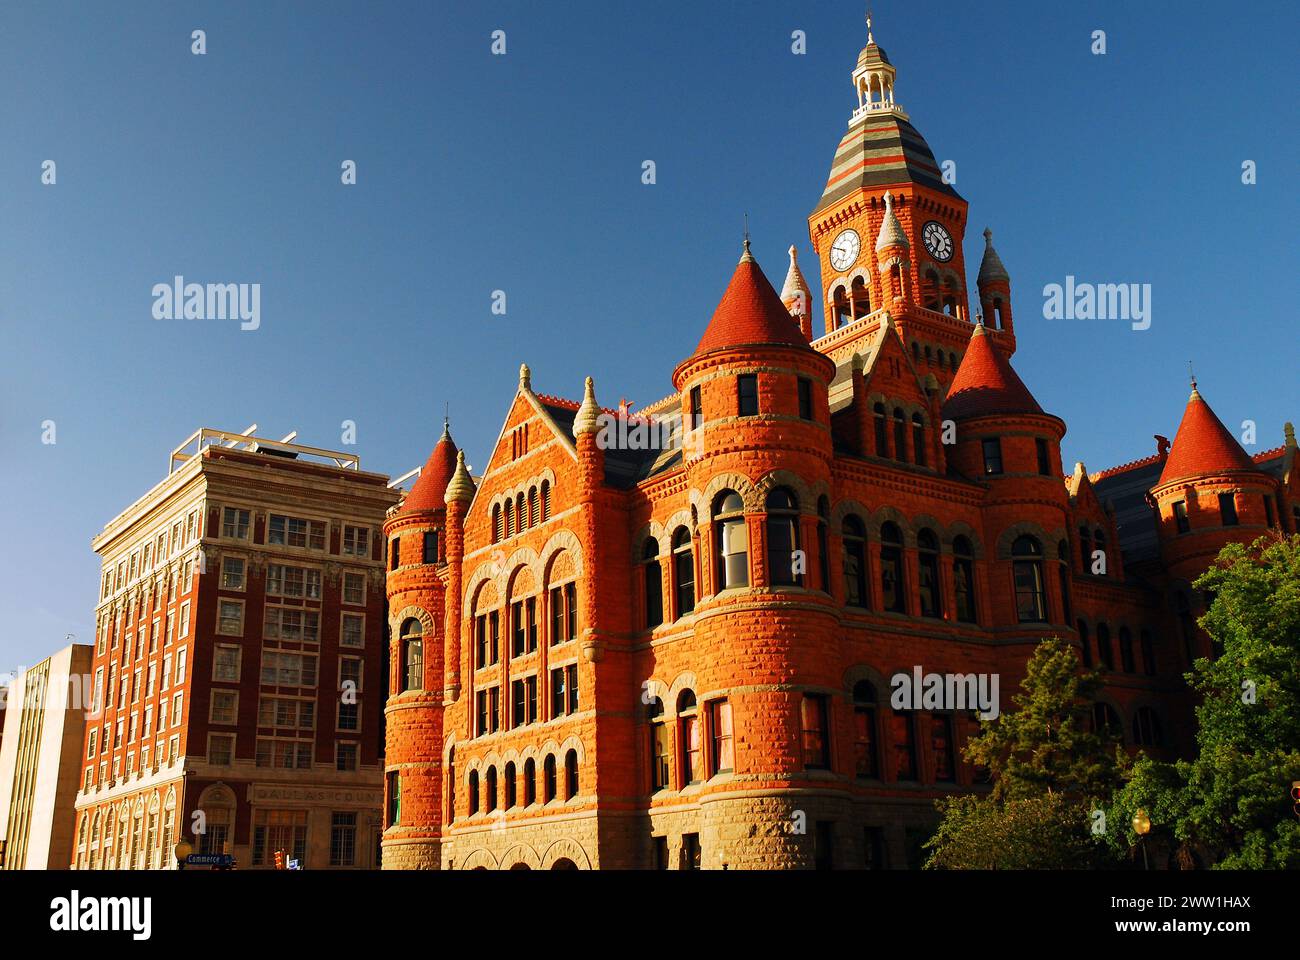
{"points": [[888, 234]]}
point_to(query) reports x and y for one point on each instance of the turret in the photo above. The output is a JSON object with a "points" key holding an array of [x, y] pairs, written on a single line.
{"points": [[995, 288], [796, 296], [893, 255]]}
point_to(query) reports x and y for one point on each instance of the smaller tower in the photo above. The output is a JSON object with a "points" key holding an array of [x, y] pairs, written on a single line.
{"points": [[796, 296], [893, 254], [995, 289]]}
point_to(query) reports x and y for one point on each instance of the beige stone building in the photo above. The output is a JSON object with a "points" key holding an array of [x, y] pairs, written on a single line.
{"points": [[40, 759]]}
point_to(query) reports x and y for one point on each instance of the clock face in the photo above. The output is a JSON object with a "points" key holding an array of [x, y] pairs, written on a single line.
{"points": [[938, 242], [845, 249]]}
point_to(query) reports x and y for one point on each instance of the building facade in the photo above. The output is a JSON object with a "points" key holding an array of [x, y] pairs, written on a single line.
{"points": [[239, 663], [666, 639], [40, 759]]}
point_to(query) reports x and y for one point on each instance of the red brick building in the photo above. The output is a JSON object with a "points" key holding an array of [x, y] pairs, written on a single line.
{"points": [[239, 663], [620, 648]]}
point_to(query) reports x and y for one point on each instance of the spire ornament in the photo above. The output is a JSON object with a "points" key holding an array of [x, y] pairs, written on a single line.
{"points": [[588, 418]]}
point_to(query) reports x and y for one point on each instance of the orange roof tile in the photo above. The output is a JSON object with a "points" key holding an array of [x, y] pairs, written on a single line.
{"points": [[1203, 445], [985, 384], [751, 312], [427, 494]]}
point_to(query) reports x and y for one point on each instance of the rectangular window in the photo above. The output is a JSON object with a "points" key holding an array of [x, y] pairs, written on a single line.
{"points": [[530, 609], [816, 744], [353, 633], [494, 636], [518, 636], [225, 706], [232, 573], [292, 623], [282, 581], [177, 702], [722, 758], [230, 618], [558, 698], [1180, 516], [185, 620], [234, 524], [941, 746], [480, 641], [494, 709], [221, 749], [350, 674], [904, 746], [1268, 511], [182, 660], [394, 804], [349, 717], [690, 851], [343, 839], [295, 532], [805, 399], [394, 553], [571, 610], [747, 393], [518, 703], [430, 552], [1228, 509], [1044, 457], [992, 455], [356, 541], [480, 712], [354, 588], [345, 757], [697, 409], [557, 616], [530, 699], [288, 669]]}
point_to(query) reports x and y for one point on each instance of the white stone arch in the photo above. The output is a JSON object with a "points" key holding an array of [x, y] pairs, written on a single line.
{"points": [[682, 518], [479, 858], [521, 853], [1024, 528], [885, 514], [564, 848], [786, 478], [861, 671], [572, 742], [411, 611], [960, 528], [651, 529], [849, 506], [449, 744], [482, 579], [561, 541], [729, 481], [683, 681]]}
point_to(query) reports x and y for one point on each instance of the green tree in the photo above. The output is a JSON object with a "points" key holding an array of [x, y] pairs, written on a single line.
{"points": [[1233, 799], [1049, 768]]}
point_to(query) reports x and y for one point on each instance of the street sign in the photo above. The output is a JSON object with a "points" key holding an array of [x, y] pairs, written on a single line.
{"points": [[209, 860], [295, 864]]}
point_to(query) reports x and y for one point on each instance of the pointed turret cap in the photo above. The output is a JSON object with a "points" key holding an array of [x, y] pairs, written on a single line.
{"points": [[750, 312], [985, 384], [891, 231], [587, 419], [436, 473], [795, 284], [1203, 445], [991, 267], [461, 487]]}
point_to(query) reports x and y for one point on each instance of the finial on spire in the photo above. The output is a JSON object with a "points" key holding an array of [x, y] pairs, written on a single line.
{"points": [[979, 318], [870, 39], [1191, 375], [1288, 431], [460, 489], [746, 257], [525, 377], [587, 419]]}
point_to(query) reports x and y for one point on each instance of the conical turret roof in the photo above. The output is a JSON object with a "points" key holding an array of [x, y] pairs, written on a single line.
{"points": [[985, 384], [1203, 445], [751, 312], [427, 494]]}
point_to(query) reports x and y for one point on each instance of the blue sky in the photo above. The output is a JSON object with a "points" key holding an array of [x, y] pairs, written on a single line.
{"points": [[522, 173]]}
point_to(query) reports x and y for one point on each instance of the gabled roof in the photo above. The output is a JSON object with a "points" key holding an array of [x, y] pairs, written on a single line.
{"points": [[1203, 445], [428, 491], [985, 384], [751, 312]]}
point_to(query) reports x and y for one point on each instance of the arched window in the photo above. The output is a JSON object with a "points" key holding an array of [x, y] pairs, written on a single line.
{"points": [[1126, 658], [1027, 568], [688, 729], [865, 761], [1148, 652], [530, 781], [823, 544], [900, 436], [903, 732], [533, 517], [882, 441], [916, 351], [510, 518], [1063, 578], [473, 792], [930, 289], [963, 576], [1086, 643], [1146, 728], [843, 311], [1106, 722], [548, 778], [546, 499], [521, 514], [929, 357], [952, 361], [1104, 652], [660, 747], [732, 540], [490, 781], [412, 638], [918, 439], [683, 571], [511, 786], [891, 568], [653, 579], [570, 774], [855, 563], [927, 560], [1099, 540], [861, 298], [782, 538], [451, 785]]}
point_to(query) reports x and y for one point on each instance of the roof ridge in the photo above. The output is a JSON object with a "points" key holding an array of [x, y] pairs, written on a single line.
{"points": [[1123, 467]]}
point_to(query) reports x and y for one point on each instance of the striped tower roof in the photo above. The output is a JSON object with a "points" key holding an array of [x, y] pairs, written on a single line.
{"points": [[882, 150]]}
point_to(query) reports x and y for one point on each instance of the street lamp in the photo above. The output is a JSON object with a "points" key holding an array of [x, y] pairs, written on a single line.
{"points": [[182, 850], [1142, 826]]}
